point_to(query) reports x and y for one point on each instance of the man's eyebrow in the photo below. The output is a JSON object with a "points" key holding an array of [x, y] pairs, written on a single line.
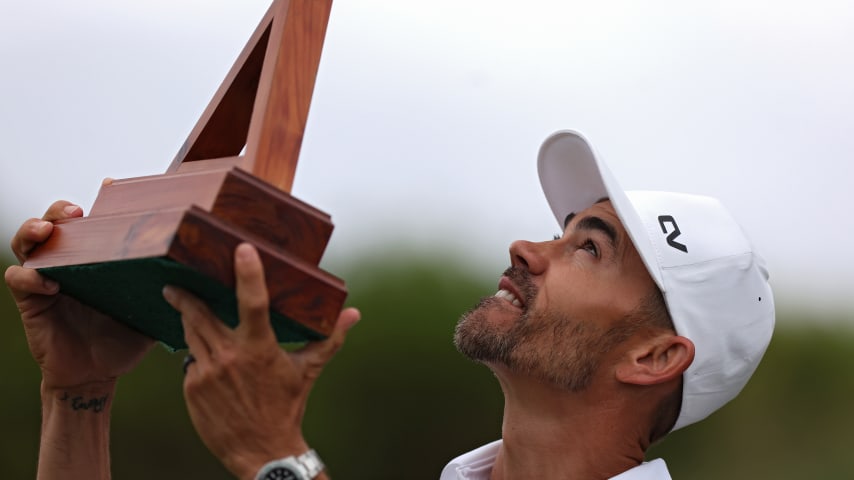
{"points": [[596, 223], [568, 219]]}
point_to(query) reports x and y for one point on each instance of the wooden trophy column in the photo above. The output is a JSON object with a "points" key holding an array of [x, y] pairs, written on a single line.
{"points": [[229, 183]]}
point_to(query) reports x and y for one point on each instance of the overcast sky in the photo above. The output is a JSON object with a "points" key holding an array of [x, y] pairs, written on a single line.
{"points": [[427, 115]]}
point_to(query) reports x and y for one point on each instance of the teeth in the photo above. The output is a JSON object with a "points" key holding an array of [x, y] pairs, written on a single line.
{"points": [[509, 297]]}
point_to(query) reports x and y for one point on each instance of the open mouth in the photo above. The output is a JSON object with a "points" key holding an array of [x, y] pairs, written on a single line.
{"points": [[509, 296], [508, 291]]}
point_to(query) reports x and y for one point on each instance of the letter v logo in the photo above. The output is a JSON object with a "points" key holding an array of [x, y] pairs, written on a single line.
{"points": [[671, 239]]}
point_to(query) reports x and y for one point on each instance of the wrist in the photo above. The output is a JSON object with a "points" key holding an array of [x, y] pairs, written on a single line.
{"points": [[49, 385], [94, 397], [245, 465], [76, 423]]}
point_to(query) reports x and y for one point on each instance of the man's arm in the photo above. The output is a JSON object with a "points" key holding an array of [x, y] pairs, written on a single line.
{"points": [[81, 353], [246, 396]]}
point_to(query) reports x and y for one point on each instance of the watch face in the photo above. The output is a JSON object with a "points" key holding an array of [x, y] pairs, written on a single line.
{"points": [[282, 473]]}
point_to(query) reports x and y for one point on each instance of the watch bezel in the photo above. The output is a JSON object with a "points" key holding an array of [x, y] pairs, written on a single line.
{"points": [[288, 463], [305, 467]]}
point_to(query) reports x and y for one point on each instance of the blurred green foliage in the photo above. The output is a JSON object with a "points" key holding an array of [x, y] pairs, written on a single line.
{"points": [[398, 401]]}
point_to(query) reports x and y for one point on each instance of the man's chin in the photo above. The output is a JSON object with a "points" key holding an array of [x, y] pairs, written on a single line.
{"points": [[481, 332]]}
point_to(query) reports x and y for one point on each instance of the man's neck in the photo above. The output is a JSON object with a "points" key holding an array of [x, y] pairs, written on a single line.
{"points": [[550, 433]]}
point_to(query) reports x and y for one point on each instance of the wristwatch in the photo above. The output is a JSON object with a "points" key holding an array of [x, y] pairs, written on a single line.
{"points": [[304, 467]]}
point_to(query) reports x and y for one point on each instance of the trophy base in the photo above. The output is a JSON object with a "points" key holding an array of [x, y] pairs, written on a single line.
{"points": [[118, 263], [131, 292]]}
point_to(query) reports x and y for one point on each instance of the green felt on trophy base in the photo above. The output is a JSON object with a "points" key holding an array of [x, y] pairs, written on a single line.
{"points": [[131, 291]]}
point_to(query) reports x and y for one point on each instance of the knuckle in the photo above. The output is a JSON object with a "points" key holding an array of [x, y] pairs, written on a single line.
{"points": [[9, 274], [256, 304], [27, 230], [192, 309], [335, 344], [228, 363], [54, 207], [315, 366], [227, 359], [193, 385], [17, 279], [179, 303]]}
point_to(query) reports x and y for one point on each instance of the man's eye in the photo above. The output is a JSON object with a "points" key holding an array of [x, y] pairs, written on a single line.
{"points": [[591, 247]]}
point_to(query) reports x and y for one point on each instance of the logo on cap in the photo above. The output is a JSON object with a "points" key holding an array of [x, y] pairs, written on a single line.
{"points": [[671, 239]]}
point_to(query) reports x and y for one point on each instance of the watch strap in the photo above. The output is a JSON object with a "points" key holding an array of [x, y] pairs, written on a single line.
{"points": [[312, 463]]}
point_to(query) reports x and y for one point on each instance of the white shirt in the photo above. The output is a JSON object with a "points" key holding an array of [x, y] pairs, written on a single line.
{"points": [[477, 465]]}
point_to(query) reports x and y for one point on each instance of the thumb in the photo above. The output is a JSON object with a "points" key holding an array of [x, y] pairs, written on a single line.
{"points": [[314, 356]]}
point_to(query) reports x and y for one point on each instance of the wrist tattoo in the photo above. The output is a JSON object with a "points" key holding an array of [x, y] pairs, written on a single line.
{"points": [[96, 404]]}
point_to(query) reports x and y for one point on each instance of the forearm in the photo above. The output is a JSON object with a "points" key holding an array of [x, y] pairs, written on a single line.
{"points": [[75, 436]]}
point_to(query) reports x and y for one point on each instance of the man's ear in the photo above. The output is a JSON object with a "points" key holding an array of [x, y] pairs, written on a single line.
{"points": [[656, 360]]}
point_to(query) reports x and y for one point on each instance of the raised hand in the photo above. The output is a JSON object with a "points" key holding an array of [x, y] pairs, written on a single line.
{"points": [[245, 395], [73, 344]]}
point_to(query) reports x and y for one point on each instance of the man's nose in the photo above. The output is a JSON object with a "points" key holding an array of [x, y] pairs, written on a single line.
{"points": [[529, 255]]}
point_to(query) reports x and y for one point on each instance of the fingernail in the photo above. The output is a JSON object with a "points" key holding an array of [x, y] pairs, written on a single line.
{"points": [[169, 293], [245, 252], [70, 209], [356, 319], [51, 285]]}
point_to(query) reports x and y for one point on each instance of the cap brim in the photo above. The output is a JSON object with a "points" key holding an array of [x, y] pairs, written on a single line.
{"points": [[574, 178]]}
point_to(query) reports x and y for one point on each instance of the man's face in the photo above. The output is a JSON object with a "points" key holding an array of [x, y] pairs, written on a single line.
{"points": [[563, 305]]}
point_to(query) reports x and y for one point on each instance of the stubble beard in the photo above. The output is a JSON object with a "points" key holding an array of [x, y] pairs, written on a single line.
{"points": [[549, 346]]}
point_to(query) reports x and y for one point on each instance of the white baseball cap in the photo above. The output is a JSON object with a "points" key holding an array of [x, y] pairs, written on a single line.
{"points": [[714, 283]]}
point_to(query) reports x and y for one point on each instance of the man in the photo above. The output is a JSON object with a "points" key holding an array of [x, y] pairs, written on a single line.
{"points": [[649, 312]]}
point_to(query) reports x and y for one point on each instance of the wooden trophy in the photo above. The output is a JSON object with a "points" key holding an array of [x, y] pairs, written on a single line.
{"points": [[228, 184]]}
